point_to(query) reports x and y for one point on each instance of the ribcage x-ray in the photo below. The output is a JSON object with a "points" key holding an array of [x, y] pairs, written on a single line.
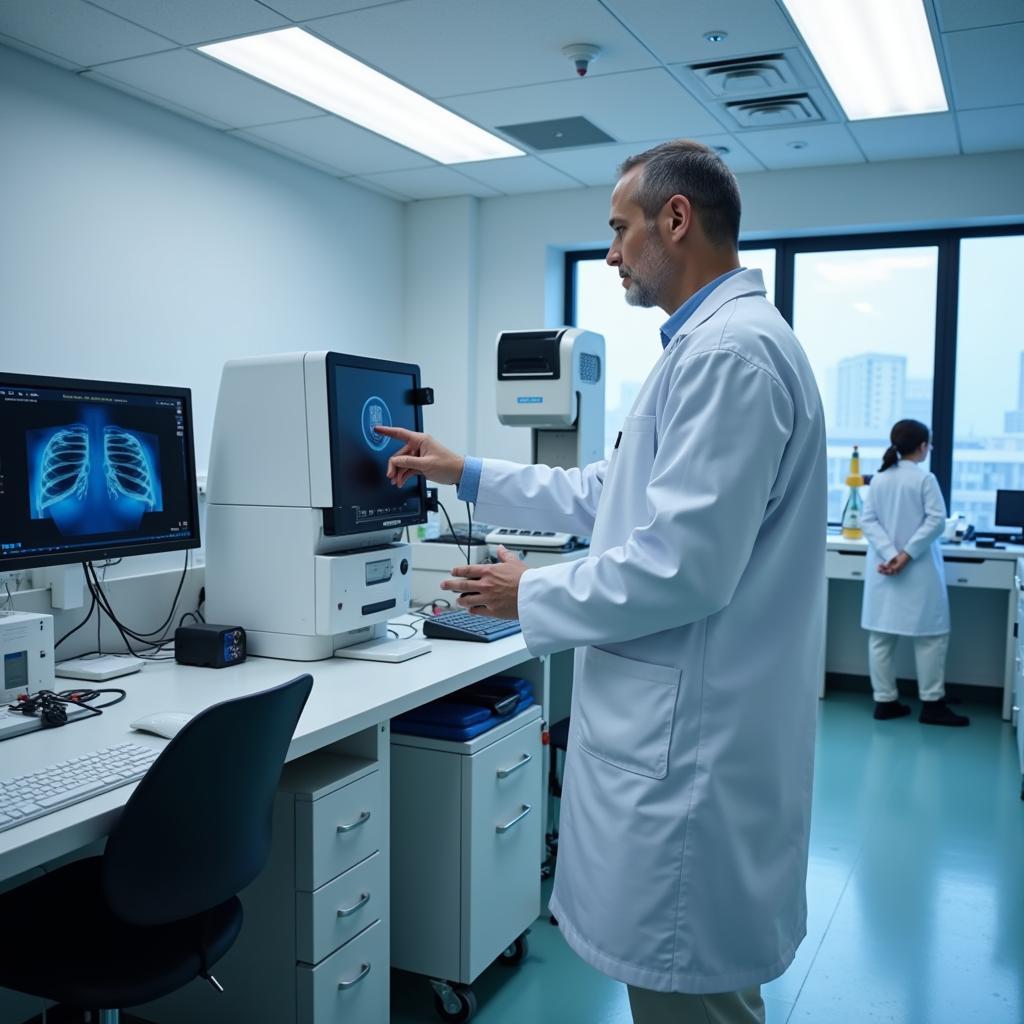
{"points": [[126, 467], [64, 472], [93, 476]]}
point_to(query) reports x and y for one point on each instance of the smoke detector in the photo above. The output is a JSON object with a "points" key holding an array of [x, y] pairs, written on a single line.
{"points": [[582, 56]]}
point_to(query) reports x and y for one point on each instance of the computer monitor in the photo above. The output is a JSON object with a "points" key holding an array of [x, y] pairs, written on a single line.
{"points": [[1010, 510], [362, 393], [92, 470]]}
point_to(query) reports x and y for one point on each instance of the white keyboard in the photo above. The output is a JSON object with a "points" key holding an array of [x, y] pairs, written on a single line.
{"points": [[69, 782]]}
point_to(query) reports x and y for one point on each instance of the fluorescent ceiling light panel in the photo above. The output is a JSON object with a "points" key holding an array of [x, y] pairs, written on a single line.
{"points": [[877, 55], [307, 67]]}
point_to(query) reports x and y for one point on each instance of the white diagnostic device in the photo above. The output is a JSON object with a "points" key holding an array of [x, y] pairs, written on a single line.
{"points": [[26, 654]]}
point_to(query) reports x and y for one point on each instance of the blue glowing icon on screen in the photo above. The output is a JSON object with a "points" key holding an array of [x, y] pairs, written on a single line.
{"points": [[376, 414], [93, 476]]}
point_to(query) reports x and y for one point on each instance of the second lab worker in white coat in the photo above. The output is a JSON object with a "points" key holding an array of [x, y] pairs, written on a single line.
{"points": [[905, 585], [697, 619]]}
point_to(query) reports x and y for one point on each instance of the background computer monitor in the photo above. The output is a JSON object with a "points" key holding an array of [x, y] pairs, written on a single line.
{"points": [[363, 392], [1010, 509], [91, 470]]}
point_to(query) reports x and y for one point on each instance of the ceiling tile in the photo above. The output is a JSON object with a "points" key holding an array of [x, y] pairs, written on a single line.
{"points": [[959, 14], [449, 47], [596, 165], [340, 145], [825, 144], [196, 21], [206, 86], [635, 105], [674, 31], [907, 138], [300, 10], [986, 130], [33, 51], [428, 183], [986, 66], [518, 174], [76, 31], [738, 159]]}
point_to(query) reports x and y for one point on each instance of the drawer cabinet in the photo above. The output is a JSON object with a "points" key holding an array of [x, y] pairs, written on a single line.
{"points": [[845, 565], [465, 869], [314, 946], [992, 573]]}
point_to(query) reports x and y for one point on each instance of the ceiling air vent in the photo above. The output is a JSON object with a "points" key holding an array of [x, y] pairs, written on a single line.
{"points": [[775, 111], [745, 76], [562, 133]]}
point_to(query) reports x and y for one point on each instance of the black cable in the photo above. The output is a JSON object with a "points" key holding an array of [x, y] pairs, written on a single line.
{"points": [[51, 706], [88, 616], [455, 536], [469, 529], [141, 636]]}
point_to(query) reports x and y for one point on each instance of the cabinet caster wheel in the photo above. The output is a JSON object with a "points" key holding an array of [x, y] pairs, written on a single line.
{"points": [[516, 953], [455, 1003]]}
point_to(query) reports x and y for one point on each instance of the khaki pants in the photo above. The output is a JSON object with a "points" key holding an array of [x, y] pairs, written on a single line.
{"points": [[929, 657], [744, 1007]]}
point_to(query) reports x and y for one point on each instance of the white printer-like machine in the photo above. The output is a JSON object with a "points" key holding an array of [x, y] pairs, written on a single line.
{"points": [[551, 381], [304, 531]]}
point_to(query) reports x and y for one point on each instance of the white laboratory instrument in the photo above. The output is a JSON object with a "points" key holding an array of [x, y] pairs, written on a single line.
{"points": [[303, 529], [553, 382], [26, 654]]}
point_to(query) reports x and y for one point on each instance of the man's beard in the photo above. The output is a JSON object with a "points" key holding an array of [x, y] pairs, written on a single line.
{"points": [[645, 289]]}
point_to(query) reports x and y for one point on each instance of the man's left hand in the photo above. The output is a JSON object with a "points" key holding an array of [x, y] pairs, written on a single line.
{"points": [[489, 589]]}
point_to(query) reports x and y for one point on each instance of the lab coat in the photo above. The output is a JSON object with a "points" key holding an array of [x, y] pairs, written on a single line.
{"points": [[698, 622], [904, 511]]}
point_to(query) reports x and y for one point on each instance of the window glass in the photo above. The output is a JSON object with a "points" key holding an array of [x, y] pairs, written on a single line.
{"points": [[631, 334], [866, 319], [988, 414]]}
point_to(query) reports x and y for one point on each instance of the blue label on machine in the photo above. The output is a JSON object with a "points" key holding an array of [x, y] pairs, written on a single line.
{"points": [[529, 399]]}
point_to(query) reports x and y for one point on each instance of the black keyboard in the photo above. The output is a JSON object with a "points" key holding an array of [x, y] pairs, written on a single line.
{"points": [[458, 625]]}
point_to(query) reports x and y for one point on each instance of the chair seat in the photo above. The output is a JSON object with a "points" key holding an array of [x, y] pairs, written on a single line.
{"points": [[96, 960]]}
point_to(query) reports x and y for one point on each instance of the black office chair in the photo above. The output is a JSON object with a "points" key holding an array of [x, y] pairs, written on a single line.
{"points": [[160, 906]]}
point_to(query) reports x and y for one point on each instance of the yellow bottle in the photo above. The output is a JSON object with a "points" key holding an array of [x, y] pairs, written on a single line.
{"points": [[854, 507]]}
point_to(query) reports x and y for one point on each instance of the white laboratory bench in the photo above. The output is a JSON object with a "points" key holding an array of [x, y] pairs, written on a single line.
{"points": [[339, 756], [983, 613]]}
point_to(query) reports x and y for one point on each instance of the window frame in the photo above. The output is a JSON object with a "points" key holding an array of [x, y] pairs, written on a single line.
{"points": [[947, 297]]}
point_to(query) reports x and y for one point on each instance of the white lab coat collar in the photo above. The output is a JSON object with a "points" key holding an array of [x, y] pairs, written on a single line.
{"points": [[746, 282]]}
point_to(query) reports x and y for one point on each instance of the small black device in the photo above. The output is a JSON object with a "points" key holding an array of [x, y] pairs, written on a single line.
{"points": [[497, 699], [209, 645], [459, 625]]}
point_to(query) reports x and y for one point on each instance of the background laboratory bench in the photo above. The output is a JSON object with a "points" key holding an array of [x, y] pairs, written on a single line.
{"points": [[296, 949]]}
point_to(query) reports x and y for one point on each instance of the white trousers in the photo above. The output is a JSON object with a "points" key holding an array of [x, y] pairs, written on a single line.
{"points": [[743, 1007], [929, 657]]}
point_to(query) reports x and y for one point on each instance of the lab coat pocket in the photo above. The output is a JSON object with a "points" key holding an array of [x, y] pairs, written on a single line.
{"points": [[626, 709]]}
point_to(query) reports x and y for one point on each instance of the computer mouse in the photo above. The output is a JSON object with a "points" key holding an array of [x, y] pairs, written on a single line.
{"points": [[162, 723]]}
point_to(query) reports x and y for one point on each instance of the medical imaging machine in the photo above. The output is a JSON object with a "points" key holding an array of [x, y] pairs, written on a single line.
{"points": [[304, 530]]}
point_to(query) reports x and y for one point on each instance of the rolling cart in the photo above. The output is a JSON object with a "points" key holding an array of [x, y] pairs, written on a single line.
{"points": [[465, 868]]}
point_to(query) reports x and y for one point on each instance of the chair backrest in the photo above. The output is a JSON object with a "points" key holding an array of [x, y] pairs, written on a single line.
{"points": [[197, 828]]}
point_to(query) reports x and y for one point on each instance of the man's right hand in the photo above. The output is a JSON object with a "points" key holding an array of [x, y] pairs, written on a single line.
{"points": [[420, 453]]}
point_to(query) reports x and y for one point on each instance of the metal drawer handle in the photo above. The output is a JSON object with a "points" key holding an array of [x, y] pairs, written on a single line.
{"points": [[361, 902], [504, 773], [363, 972], [856, 572], [361, 820], [519, 817], [961, 579]]}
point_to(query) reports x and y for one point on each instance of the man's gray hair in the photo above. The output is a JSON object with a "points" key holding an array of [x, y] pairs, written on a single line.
{"points": [[693, 170]]}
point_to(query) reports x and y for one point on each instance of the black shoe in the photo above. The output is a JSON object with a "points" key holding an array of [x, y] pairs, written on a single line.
{"points": [[936, 712], [890, 709]]}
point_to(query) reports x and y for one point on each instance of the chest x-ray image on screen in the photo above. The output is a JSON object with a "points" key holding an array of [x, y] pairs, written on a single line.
{"points": [[90, 469]]}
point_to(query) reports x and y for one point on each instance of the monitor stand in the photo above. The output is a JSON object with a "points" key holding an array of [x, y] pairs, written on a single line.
{"points": [[385, 649]]}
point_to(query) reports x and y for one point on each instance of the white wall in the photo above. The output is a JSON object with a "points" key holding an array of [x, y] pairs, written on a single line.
{"points": [[140, 246], [521, 239]]}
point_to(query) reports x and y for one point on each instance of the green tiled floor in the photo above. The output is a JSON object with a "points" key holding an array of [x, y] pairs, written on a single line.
{"points": [[915, 892]]}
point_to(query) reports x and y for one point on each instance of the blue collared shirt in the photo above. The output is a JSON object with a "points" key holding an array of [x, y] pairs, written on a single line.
{"points": [[671, 326], [469, 482]]}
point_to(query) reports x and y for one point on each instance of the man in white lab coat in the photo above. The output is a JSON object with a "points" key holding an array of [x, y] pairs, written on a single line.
{"points": [[697, 616]]}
